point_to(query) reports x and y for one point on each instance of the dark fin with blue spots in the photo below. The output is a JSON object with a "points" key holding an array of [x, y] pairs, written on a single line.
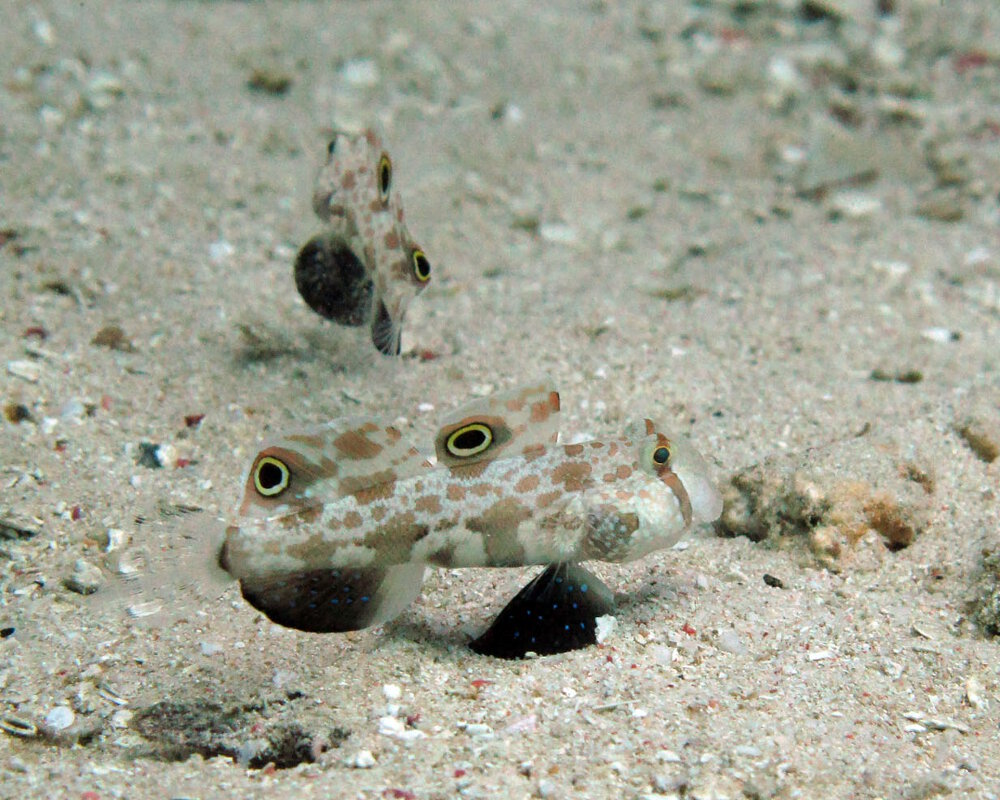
{"points": [[335, 600], [555, 613]]}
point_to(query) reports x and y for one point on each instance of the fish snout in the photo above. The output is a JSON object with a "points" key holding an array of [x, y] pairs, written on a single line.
{"points": [[706, 502]]}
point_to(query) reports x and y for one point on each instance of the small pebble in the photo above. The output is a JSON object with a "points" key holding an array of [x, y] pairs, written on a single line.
{"points": [[363, 760], [854, 205], [526, 724], [26, 370], [113, 337], [478, 730], [391, 691], [17, 413], [558, 233], [894, 269], [361, 72], [545, 788], [109, 694], [270, 80], [42, 29], [729, 641], [941, 207], [605, 628], [395, 728], [85, 579], [977, 257], [940, 335], [103, 90], [18, 727], [112, 539], [121, 718], [210, 648], [60, 718], [72, 409], [221, 250], [16, 764]]}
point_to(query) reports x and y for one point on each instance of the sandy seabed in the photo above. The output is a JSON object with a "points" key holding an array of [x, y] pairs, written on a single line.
{"points": [[774, 224]]}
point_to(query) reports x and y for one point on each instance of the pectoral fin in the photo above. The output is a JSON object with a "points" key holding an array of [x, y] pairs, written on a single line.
{"points": [[555, 613], [334, 601], [333, 281], [386, 332]]}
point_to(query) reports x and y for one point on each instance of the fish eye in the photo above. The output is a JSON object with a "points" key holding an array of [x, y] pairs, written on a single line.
{"points": [[384, 177], [421, 266], [271, 476], [661, 455], [469, 440]]}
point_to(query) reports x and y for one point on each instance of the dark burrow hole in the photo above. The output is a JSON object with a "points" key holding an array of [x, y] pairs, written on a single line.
{"points": [[176, 731]]}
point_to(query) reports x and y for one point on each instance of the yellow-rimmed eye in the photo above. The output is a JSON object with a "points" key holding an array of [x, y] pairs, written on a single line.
{"points": [[661, 455], [384, 177], [271, 476], [421, 266], [469, 440]]}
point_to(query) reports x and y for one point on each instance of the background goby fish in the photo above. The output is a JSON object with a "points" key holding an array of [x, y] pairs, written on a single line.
{"points": [[365, 266], [336, 525]]}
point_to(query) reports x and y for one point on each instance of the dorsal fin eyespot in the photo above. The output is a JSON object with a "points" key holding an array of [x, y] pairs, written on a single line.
{"points": [[516, 420]]}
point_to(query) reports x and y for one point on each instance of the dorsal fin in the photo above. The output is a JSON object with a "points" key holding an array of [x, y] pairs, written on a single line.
{"points": [[325, 464], [519, 422]]}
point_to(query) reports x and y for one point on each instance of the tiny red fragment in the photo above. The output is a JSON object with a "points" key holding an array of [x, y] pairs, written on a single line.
{"points": [[402, 794], [973, 59], [688, 629], [36, 331], [479, 683], [76, 513], [105, 402], [459, 773], [193, 420], [180, 463]]}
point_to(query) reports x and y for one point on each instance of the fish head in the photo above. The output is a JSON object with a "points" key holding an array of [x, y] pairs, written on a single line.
{"points": [[278, 505], [354, 183], [677, 465]]}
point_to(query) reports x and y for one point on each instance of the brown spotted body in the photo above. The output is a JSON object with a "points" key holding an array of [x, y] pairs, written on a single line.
{"points": [[365, 267], [352, 499]]}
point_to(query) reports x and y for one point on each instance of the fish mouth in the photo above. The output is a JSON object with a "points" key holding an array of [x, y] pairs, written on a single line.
{"points": [[676, 485], [704, 500]]}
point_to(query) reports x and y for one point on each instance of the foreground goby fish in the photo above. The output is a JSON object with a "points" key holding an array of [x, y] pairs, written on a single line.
{"points": [[365, 266], [336, 526]]}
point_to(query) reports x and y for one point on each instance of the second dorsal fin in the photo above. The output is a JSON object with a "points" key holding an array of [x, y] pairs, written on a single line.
{"points": [[518, 422]]}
